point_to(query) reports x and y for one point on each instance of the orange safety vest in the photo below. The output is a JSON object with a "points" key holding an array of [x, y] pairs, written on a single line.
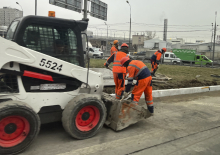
{"points": [[117, 68], [158, 55], [113, 50], [134, 68]]}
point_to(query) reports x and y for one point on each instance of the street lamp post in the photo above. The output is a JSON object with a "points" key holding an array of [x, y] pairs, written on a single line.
{"points": [[107, 38], [114, 34], [214, 37], [35, 7], [211, 42], [124, 36], [21, 8], [130, 24], [96, 32]]}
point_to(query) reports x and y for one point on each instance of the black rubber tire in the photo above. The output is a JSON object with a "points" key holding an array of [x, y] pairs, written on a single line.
{"points": [[10, 108], [208, 65], [71, 110]]}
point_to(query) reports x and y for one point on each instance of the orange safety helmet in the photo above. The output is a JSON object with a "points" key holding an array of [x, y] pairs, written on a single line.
{"points": [[123, 60], [124, 45], [115, 42], [164, 49]]}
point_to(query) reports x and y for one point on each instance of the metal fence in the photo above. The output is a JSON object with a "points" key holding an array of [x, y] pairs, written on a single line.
{"points": [[171, 62]]}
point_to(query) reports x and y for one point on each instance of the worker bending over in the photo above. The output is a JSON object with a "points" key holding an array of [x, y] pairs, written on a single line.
{"points": [[114, 47], [155, 59], [119, 72], [137, 70]]}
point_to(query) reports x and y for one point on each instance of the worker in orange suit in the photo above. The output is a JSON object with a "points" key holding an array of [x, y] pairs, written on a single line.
{"points": [[155, 59], [114, 47], [137, 70], [119, 72]]}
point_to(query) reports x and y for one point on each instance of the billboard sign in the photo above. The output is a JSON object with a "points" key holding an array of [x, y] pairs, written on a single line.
{"points": [[99, 9], [75, 5]]}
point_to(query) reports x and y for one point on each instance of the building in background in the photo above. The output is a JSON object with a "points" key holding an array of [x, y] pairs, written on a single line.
{"points": [[201, 48], [156, 44], [7, 15], [137, 39], [3, 30], [176, 40]]}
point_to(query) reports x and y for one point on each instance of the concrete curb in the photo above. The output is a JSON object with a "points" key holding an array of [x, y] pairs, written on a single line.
{"points": [[181, 91]]}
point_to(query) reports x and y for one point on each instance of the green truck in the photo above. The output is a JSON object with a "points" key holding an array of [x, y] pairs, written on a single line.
{"points": [[190, 55]]}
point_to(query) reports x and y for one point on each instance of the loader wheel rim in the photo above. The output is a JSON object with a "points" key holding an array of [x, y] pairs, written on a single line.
{"points": [[13, 130], [87, 118]]}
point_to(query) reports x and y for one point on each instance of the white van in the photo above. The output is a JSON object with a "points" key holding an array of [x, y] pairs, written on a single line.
{"points": [[171, 57], [95, 52]]}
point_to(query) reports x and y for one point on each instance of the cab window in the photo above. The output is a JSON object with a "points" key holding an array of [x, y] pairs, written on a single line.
{"points": [[166, 55], [171, 55], [56, 41], [205, 58], [11, 30]]}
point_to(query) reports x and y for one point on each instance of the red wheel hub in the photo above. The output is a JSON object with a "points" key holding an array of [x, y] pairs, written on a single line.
{"points": [[13, 130], [87, 118]]}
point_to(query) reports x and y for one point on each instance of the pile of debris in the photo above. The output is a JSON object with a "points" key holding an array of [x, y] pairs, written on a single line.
{"points": [[160, 78]]}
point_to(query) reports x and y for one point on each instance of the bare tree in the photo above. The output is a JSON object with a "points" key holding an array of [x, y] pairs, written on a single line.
{"points": [[150, 34]]}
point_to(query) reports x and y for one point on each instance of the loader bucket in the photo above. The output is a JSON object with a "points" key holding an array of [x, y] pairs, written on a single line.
{"points": [[121, 114]]}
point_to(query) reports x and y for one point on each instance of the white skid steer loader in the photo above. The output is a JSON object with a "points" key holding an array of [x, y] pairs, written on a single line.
{"points": [[43, 80]]}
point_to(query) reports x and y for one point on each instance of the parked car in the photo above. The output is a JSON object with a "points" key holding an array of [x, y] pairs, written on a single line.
{"points": [[138, 55], [141, 53], [134, 53], [95, 52]]}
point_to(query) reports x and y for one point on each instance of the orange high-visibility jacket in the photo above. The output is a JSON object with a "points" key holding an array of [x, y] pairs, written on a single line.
{"points": [[113, 50], [156, 56], [136, 70], [116, 58]]}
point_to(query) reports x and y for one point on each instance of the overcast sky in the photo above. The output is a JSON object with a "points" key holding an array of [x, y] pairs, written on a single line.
{"points": [[146, 15]]}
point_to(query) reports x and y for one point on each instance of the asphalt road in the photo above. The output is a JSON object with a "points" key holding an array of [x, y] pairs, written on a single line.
{"points": [[182, 125]]}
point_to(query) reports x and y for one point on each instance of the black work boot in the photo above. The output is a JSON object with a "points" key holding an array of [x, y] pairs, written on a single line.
{"points": [[151, 109]]}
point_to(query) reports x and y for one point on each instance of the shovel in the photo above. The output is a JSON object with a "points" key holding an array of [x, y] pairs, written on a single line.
{"points": [[109, 68]]}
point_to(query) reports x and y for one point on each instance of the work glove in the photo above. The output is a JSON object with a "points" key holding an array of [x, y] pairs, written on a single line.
{"points": [[158, 66], [106, 65]]}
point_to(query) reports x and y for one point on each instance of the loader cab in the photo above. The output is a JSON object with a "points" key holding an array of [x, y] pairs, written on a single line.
{"points": [[60, 38]]}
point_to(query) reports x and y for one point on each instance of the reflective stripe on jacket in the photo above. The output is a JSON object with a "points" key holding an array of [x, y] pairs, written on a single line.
{"points": [[137, 70], [116, 58]]}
